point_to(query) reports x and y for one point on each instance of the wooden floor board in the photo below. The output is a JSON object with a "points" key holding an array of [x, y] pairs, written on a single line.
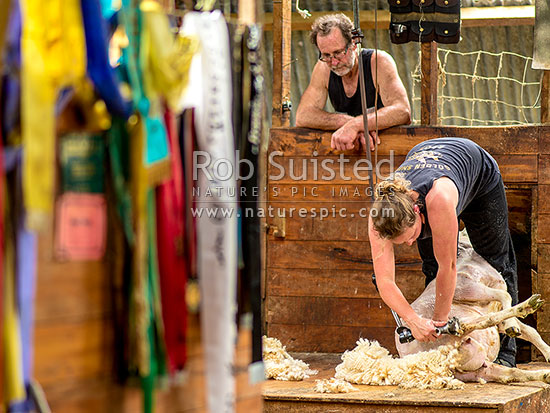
{"points": [[300, 396]]}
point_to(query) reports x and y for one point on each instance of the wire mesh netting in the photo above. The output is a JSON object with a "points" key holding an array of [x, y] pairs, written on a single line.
{"points": [[490, 89]]}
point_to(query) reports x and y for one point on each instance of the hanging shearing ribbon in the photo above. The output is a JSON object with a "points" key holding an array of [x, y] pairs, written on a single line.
{"points": [[172, 260], [14, 387], [99, 70], [4, 14], [155, 155], [167, 59], [216, 235], [142, 352], [53, 57], [25, 264]]}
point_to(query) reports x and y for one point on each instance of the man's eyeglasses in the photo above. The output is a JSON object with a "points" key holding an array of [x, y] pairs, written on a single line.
{"points": [[339, 55]]}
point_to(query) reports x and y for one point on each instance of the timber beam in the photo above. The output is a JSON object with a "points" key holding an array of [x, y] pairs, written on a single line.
{"points": [[470, 16]]}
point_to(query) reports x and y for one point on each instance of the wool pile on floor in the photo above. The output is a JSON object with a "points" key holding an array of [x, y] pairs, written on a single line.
{"points": [[280, 365], [370, 363]]}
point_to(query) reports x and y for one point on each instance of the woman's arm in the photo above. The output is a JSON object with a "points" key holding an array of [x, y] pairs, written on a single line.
{"points": [[384, 267], [441, 204]]}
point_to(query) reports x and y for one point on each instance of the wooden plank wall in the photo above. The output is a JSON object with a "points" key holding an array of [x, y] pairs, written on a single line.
{"points": [[541, 231], [73, 338], [319, 296]]}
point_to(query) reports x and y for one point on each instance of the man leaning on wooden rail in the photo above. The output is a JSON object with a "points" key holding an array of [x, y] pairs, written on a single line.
{"points": [[336, 75]]}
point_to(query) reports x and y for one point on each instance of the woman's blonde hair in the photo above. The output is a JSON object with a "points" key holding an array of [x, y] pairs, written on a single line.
{"points": [[393, 209]]}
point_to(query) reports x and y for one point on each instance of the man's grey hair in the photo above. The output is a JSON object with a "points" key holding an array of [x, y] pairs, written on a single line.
{"points": [[324, 24]]}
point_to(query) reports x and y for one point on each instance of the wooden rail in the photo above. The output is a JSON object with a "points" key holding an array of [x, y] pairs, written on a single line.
{"points": [[470, 16]]}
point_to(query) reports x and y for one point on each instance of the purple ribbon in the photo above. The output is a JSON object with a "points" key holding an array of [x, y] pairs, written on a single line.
{"points": [[25, 283]]}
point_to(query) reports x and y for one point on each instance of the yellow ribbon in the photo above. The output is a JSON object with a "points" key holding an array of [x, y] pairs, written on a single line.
{"points": [[167, 58], [4, 17], [13, 357], [53, 56], [139, 299]]}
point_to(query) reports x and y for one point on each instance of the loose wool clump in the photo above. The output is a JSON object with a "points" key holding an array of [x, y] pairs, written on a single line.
{"points": [[333, 386], [370, 363], [280, 365]]}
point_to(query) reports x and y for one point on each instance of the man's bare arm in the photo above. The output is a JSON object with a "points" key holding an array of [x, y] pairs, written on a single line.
{"points": [[396, 110], [311, 113]]}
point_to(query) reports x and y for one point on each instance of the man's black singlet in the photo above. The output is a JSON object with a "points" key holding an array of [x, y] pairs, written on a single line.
{"points": [[352, 105]]}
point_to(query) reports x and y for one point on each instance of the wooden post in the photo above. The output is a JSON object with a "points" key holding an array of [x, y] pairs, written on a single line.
{"points": [[282, 20], [429, 67], [545, 99], [247, 12]]}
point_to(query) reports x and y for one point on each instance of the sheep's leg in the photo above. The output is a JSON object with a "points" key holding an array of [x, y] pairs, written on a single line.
{"points": [[509, 326], [501, 374], [520, 310], [531, 335], [473, 292], [470, 291]]}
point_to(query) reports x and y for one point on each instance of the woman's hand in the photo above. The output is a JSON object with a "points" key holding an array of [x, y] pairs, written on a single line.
{"points": [[439, 323], [422, 329]]}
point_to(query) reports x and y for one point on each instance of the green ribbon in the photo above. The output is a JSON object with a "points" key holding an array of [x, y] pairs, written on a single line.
{"points": [[155, 328], [118, 145], [156, 148]]}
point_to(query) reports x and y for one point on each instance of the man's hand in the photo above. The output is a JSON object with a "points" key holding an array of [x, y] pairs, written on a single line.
{"points": [[373, 136], [344, 138], [347, 139]]}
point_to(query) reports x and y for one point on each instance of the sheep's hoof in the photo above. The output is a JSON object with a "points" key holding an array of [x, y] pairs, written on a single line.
{"points": [[535, 302], [513, 332]]}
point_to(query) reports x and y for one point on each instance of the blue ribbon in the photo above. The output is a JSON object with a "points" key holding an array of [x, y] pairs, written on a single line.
{"points": [[26, 247], [100, 71], [11, 95]]}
